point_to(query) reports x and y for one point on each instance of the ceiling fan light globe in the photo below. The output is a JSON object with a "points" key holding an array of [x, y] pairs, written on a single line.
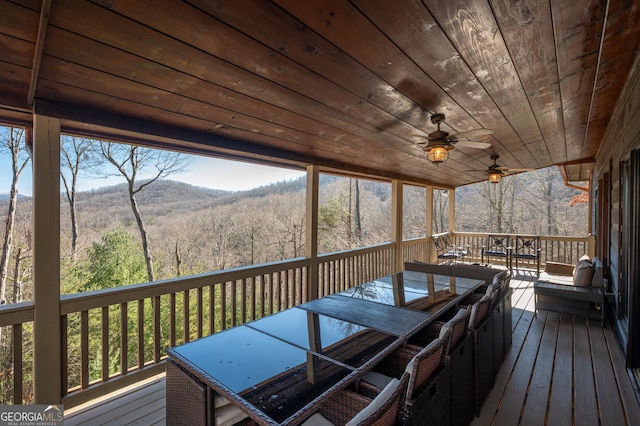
{"points": [[495, 177], [438, 154]]}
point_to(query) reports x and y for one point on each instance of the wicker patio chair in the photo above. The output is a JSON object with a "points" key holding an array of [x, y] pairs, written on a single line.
{"points": [[481, 327], [347, 407], [460, 361], [428, 396]]}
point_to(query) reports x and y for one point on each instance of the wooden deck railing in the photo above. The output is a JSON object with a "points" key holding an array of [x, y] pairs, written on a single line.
{"points": [[118, 336], [342, 270], [553, 248], [16, 327]]}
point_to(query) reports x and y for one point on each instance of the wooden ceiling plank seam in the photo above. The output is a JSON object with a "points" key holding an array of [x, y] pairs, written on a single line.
{"points": [[518, 24], [19, 21], [16, 51], [246, 135], [201, 94], [384, 19], [556, 47], [111, 85], [621, 44], [340, 28], [473, 31], [292, 39], [311, 21], [337, 115], [79, 120], [37, 54], [577, 33], [502, 132], [595, 78], [275, 67]]}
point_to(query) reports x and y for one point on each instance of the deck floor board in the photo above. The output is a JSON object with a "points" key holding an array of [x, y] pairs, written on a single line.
{"points": [[560, 370], [560, 412]]}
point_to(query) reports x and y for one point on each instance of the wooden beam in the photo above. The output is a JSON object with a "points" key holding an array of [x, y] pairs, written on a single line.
{"points": [[37, 55], [396, 222], [46, 261], [429, 225], [452, 211], [311, 238]]}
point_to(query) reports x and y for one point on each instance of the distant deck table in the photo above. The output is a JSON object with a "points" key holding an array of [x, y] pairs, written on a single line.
{"points": [[280, 368]]}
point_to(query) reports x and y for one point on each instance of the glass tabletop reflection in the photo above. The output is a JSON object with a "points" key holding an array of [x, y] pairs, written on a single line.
{"points": [[274, 376], [340, 340]]}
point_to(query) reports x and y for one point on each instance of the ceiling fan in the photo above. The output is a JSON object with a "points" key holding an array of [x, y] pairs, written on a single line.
{"points": [[496, 173], [439, 143]]}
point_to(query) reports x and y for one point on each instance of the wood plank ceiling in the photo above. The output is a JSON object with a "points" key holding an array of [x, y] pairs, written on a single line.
{"points": [[346, 84]]}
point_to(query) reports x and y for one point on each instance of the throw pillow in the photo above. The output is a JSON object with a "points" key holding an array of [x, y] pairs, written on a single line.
{"points": [[583, 273]]}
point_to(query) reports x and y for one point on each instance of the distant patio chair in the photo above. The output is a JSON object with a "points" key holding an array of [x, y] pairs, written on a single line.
{"points": [[527, 248], [497, 246], [444, 250]]}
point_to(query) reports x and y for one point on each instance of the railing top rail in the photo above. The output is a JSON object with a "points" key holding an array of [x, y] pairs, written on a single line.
{"points": [[16, 313], [111, 296], [328, 257], [545, 237]]}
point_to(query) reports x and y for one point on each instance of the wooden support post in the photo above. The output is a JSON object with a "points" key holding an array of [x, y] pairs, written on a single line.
{"points": [[311, 237], [396, 223], [452, 212], [429, 225], [46, 261]]}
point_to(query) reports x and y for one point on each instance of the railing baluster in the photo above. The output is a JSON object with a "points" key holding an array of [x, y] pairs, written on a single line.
{"points": [[172, 319], [84, 349], [105, 343], [234, 303], [212, 309], [199, 312], [223, 306], [243, 301], [16, 336], [186, 334], [156, 329], [252, 283], [140, 329], [124, 338], [64, 335]]}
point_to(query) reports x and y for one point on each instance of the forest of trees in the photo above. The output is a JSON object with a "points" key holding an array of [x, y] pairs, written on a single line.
{"points": [[154, 228]]}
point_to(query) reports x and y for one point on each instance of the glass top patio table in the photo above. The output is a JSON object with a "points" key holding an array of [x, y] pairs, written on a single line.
{"points": [[419, 282], [342, 341], [282, 364]]}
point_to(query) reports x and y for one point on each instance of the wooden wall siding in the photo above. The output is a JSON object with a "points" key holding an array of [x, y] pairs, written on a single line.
{"points": [[329, 82]]}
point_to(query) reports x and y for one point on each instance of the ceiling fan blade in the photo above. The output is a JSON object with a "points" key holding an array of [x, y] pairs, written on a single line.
{"points": [[470, 144], [470, 134], [517, 170]]}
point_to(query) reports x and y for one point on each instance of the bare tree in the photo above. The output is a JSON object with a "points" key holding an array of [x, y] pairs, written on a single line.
{"points": [[130, 162], [547, 195], [441, 211], [74, 154], [11, 140], [500, 197]]}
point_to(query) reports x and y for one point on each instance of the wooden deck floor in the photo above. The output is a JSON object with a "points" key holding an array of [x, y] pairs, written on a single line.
{"points": [[561, 370]]}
